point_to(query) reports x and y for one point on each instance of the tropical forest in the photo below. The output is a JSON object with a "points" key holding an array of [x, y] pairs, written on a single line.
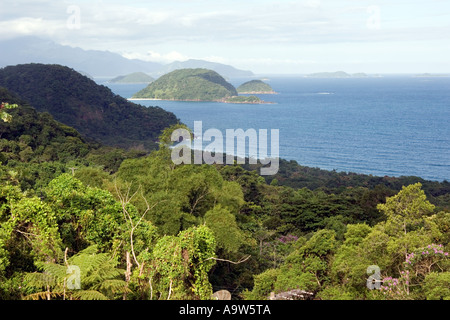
{"points": [[93, 208]]}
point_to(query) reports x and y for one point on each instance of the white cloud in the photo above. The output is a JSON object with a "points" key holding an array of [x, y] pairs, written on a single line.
{"points": [[30, 26], [263, 33], [157, 57]]}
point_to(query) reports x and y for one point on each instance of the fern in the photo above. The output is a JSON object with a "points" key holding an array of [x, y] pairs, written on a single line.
{"points": [[99, 278], [89, 295]]}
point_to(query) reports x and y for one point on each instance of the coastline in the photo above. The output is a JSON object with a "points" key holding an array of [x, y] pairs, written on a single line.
{"points": [[258, 92], [219, 101]]}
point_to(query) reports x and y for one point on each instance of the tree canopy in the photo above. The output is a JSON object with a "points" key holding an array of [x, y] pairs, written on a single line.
{"points": [[79, 220]]}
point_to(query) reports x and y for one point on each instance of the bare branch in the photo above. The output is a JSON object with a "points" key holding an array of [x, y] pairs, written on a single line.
{"points": [[233, 262], [170, 290]]}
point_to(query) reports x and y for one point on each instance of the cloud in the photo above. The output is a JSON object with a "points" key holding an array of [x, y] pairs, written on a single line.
{"points": [[29, 26], [262, 32], [309, 21], [157, 57]]}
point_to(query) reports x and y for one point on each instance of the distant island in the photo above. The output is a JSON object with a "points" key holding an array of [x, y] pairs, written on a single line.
{"points": [[337, 74], [255, 87], [432, 75], [246, 100], [193, 85], [135, 77]]}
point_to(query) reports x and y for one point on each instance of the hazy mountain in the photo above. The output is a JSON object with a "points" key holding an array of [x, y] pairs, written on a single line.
{"points": [[135, 77], [222, 69], [93, 62]]}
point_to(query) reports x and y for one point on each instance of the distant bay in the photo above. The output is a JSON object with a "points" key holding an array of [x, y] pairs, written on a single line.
{"points": [[391, 125]]}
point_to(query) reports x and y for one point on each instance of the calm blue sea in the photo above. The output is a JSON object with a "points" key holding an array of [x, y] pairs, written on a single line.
{"points": [[392, 125]]}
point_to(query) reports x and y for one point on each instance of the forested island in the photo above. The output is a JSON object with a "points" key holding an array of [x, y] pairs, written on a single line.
{"points": [[245, 100], [81, 219], [189, 85], [194, 85], [255, 87]]}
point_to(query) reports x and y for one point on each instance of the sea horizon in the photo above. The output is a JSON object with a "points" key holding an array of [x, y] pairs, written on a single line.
{"points": [[368, 125]]}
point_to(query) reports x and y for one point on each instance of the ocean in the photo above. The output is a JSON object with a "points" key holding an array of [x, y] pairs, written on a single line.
{"points": [[383, 126]]}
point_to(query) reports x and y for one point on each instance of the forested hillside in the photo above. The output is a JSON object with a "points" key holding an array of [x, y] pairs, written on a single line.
{"points": [[79, 220], [189, 84], [92, 109], [255, 86]]}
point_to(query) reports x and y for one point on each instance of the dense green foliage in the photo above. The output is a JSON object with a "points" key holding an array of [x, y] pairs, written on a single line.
{"points": [[132, 225], [254, 86], [4, 115], [92, 109], [135, 77], [189, 84]]}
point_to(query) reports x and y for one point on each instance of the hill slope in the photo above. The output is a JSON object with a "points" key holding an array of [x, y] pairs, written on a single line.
{"points": [[92, 109], [36, 137], [135, 77], [190, 85], [255, 86]]}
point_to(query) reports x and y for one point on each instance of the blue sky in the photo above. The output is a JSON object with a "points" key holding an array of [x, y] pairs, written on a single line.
{"points": [[267, 37]]}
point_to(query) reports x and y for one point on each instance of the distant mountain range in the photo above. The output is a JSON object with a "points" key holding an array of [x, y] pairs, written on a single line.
{"points": [[96, 63]]}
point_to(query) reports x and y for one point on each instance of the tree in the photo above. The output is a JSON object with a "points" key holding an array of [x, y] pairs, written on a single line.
{"points": [[85, 215], [177, 267], [351, 259], [437, 286], [409, 222], [227, 233], [407, 209], [307, 267], [30, 222]]}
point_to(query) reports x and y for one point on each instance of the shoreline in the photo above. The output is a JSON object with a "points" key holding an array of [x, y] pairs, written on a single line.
{"points": [[258, 92], [219, 101]]}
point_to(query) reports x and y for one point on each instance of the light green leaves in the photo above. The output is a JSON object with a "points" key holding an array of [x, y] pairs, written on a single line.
{"points": [[6, 117]]}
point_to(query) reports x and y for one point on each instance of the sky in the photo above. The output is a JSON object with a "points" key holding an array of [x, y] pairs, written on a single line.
{"points": [[264, 36]]}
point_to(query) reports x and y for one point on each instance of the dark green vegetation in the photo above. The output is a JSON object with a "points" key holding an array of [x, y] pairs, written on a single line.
{"points": [[244, 99], [189, 85], [82, 221], [135, 77], [91, 109], [254, 87]]}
